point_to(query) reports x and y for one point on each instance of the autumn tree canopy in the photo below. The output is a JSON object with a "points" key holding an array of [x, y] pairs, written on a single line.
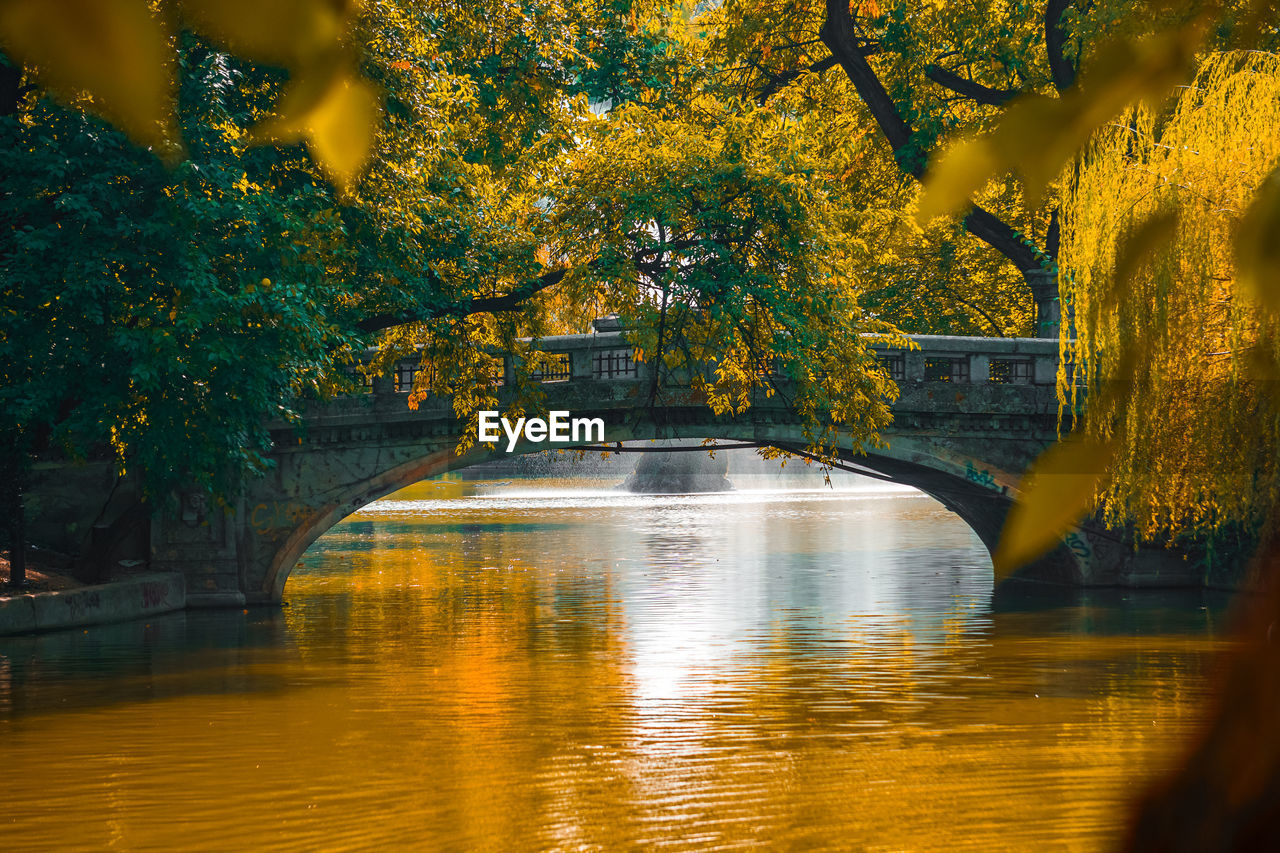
{"points": [[161, 302]]}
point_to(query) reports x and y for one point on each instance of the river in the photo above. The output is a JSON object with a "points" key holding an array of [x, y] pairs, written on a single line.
{"points": [[516, 667]]}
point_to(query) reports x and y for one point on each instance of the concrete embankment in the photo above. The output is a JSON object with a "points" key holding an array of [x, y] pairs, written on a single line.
{"points": [[128, 598]]}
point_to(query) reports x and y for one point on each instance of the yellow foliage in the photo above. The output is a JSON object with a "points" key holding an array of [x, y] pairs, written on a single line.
{"points": [[1199, 425]]}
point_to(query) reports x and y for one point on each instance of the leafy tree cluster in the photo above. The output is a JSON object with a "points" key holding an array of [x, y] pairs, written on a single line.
{"points": [[535, 164], [162, 311], [740, 182]]}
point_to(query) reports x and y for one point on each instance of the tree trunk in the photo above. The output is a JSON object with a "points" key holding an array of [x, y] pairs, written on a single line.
{"points": [[18, 547], [17, 533], [11, 92], [1044, 290], [839, 34], [11, 89]]}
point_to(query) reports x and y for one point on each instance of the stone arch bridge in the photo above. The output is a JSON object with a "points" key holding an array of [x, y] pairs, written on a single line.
{"points": [[971, 416]]}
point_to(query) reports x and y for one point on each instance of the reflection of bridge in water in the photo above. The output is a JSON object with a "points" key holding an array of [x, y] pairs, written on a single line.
{"points": [[972, 414]]}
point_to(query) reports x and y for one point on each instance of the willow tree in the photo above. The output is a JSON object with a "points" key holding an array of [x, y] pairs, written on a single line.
{"points": [[1202, 424]]}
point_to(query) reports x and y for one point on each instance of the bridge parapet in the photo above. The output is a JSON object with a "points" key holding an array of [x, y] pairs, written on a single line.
{"points": [[607, 357]]}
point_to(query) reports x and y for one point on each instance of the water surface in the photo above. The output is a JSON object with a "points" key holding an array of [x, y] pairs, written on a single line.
{"points": [[518, 669]]}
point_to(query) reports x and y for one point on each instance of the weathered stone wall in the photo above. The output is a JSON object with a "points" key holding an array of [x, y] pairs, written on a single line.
{"points": [[129, 598], [90, 524]]}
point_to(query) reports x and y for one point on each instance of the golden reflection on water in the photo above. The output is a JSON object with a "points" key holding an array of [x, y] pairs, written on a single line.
{"points": [[606, 671]]}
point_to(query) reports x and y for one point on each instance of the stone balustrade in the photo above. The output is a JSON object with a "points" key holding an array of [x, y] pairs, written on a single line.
{"points": [[606, 356]]}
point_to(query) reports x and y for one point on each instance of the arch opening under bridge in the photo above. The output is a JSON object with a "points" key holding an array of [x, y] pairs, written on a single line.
{"points": [[968, 493]]}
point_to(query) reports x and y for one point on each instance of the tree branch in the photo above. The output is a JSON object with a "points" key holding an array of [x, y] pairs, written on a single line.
{"points": [[12, 89], [841, 38], [977, 309], [476, 305], [968, 88], [1064, 74], [996, 233], [512, 301], [1053, 238], [782, 79]]}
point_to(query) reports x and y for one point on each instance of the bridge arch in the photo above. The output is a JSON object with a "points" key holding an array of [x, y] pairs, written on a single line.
{"points": [[978, 495]]}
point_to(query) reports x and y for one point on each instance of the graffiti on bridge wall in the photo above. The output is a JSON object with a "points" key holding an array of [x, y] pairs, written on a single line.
{"points": [[1078, 545], [154, 594], [982, 478], [79, 605]]}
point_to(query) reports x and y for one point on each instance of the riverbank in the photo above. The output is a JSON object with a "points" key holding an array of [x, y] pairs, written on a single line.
{"points": [[78, 606], [38, 580]]}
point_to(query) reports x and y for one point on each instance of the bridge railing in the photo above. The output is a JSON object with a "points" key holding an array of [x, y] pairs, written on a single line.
{"points": [[606, 357], [974, 361]]}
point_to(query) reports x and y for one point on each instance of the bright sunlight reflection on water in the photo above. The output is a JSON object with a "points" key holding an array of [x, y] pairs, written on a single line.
{"points": [[516, 668]]}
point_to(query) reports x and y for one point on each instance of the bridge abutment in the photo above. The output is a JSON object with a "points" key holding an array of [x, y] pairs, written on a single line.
{"points": [[204, 543]]}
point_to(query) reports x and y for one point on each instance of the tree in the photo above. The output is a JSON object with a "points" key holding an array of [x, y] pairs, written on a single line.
{"points": [[917, 75], [741, 263], [1203, 422], [145, 311], [211, 288], [156, 314], [912, 75], [714, 242]]}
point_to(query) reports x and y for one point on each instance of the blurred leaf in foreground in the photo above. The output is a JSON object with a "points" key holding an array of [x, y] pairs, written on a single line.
{"points": [[120, 54], [287, 33], [336, 115], [115, 51], [1135, 247], [1057, 491], [327, 104]]}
